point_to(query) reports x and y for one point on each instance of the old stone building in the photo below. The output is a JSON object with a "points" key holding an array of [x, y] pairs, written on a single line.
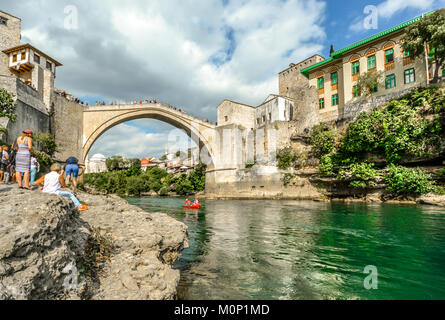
{"points": [[29, 74]]}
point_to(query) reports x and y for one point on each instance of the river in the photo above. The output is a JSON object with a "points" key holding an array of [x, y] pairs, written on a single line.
{"points": [[308, 250]]}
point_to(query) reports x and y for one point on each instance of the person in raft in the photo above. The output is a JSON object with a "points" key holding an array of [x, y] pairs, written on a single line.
{"points": [[54, 181], [196, 202], [187, 202]]}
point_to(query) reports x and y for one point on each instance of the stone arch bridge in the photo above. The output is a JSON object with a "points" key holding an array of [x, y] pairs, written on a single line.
{"points": [[98, 119]]}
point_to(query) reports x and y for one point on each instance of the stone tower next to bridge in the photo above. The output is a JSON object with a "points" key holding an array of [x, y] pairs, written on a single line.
{"points": [[29, 74]]}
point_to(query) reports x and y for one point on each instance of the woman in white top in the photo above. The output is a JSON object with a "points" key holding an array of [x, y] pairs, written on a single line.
{"points": [[53, 182]]}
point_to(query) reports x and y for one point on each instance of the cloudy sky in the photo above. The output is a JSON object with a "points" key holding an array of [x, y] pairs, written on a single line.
{"points": [[189, 53]]}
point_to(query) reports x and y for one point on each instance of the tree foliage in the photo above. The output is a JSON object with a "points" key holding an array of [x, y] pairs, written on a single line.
{"points": [[430, 29], [46, 143], [360, 175], [323, 140], [7, 105], [368, 82], [408, 181], [135, 182], [403, 127]]}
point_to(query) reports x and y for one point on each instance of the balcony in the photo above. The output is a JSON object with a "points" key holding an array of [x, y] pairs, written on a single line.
{"points": [[389, 66], [334, 87], [355, 77], [407, 61], [320, 91]]}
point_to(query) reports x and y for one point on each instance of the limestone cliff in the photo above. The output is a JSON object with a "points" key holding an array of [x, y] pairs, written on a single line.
{"points": [[43, 237]]}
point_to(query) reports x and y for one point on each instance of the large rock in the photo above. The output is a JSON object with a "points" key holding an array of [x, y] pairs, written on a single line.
{"points": [[147, 244], [432, 199], [42, 236]]}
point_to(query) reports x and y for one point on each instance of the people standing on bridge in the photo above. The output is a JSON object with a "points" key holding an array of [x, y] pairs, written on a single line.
{"points": [[54, 181], [3, 161], [72, 171], [23, 159]]}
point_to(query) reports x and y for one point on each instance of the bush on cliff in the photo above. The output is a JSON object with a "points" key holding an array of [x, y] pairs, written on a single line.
{"points": [[323, 140], [408, 181], [406, 127], [360, 175]]}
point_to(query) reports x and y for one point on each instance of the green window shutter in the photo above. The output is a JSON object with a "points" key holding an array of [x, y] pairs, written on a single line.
{"points": [[410, 76], [389, 55], [320, 83], [335, 100], [334, 78], [321, 103], [371, 62], [390, 81], [356, 67], [355, 91]]}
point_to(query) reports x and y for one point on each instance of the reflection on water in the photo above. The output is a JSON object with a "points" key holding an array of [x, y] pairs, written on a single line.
{"points": [[308, 250]]}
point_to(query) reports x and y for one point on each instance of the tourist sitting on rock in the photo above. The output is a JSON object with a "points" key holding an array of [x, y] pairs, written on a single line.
{"points": [[3, 161], [54, 181]]}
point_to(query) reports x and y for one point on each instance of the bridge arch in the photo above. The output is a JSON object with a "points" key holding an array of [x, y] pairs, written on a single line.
{"points": [[98, 120]]}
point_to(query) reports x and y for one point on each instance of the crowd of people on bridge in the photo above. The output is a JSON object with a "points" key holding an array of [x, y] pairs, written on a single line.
{"points": [[20, 165], [132, 102]]}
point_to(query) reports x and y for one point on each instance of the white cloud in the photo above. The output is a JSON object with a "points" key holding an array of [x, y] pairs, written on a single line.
{"points": [[388, 8], [131, 140], [167, 49]]}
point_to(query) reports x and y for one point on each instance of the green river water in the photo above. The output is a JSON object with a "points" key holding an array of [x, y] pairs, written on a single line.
{"points": [[307, 250]]}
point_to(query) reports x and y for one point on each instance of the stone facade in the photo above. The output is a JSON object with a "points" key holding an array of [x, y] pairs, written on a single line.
{"points": [[31, 112], [292, 78], [230, 112], [67, 127], [9, 37]]}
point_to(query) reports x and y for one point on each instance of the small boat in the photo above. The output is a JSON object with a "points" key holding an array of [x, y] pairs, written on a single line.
{"points": [[192, 206]]}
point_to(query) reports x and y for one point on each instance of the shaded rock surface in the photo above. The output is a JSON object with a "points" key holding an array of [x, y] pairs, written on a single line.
{"points": [[43, 236], [432, 199]]}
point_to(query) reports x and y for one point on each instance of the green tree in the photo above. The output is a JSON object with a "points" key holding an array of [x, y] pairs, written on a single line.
{"points": [[323, 140], [115, 163], [369, 82], [428, 30], [46, 143], [7, 105]]}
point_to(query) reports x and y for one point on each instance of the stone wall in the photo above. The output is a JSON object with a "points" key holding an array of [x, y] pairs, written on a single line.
{"points": [[9, 38], [292, 78], [259, 182], [31, 112], [67, 127]]}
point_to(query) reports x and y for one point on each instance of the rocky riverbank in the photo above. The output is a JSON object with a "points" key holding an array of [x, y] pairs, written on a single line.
{"points": [[308, 185], [45, 242]]}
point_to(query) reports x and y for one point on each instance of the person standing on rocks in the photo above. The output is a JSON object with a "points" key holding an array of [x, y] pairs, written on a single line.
{"points": [[72, 171], [23, 158], [34, 168], [3, 161], [54, 181]]}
